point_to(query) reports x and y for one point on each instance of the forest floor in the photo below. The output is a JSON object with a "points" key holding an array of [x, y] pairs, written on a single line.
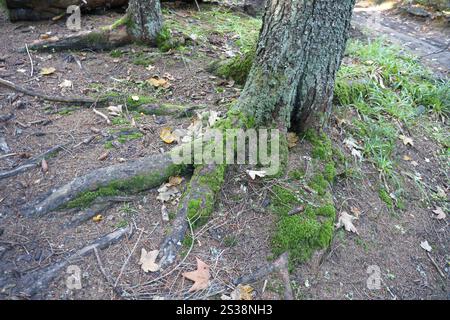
{"points": [[390, 182]]}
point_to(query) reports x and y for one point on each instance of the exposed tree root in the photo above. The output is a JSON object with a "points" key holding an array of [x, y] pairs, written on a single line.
{"points": [[196, 205], [32, 163], [133, 176], [99, 205], [280, 265], [15, 87], [103, 39], [37, 281]]}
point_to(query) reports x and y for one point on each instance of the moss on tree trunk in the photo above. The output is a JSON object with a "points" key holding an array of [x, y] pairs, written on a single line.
{"points": [[299, 51]]}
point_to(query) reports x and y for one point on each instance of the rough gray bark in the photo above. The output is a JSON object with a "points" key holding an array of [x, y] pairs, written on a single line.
{"points": [[152, 171], [300, 49], [39, 10], [145, 19]]}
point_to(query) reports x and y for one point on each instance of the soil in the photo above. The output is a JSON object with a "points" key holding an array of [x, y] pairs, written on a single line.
{"points": [[236, 240]]}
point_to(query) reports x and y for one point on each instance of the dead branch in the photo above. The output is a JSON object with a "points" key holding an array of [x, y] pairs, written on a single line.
{"points": [[15, 87], [154, 170], [32, 163], [35, 282]]}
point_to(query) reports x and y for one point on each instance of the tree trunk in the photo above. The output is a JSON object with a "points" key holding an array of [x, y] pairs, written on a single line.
{"points": [[145, 19], [299, 51]]}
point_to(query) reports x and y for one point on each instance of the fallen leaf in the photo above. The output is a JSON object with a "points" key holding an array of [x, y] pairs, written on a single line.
{"points": [[407, 158], [242, 293], [292, 139], [346, 221], [47, 71], [44, 165], [147, 260], [199, 276], [425, 246], [440, 214], [167, 192], [135, 98], [159, 83], [175, 181], [356, 212], [66, 84], [253, 174], [97, 218], [406, 140], [167, 135]]}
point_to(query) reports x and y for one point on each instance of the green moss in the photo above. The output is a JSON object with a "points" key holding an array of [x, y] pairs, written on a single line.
{"points": [[329, 172], [283, 200], [301, 235], [165, 41], [322, 146], [200, 209], [237, 68], [134, 104], [122, 187], [384, 196], [319, 183], [128, 137], [297, 174]]}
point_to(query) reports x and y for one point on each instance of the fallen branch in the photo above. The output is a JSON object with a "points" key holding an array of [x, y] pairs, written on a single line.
{"points": [[32, 163], [150, 171], [15, 87], [37, 281], [280, 265]]}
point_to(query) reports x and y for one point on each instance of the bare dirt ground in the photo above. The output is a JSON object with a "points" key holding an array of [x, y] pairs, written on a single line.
{"points": [[236, 240], [425, 38]]}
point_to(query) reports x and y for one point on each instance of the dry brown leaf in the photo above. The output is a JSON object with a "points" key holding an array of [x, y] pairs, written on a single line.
{"points": [[167, 135], [346, 221], [147, 260], [439, 213], [406, 140], [407, 158], [292, 139], [199, 276], [44, 165], [356, 212], [97, 218], [103, 156], [47, 71], [175, 181], [159, 83], [242, 293]]}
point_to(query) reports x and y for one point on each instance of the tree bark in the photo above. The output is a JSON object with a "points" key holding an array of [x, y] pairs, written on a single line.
{"points": [[145, 19], [299, 51]]}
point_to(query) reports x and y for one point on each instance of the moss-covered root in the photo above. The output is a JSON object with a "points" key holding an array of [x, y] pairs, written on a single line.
{"points": [[132, 176], [236, 68], [195, 207], [105, 38]]}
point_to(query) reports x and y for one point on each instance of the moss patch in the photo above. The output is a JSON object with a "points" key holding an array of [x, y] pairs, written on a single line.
{"points": [[237, 68], [122, 187]]}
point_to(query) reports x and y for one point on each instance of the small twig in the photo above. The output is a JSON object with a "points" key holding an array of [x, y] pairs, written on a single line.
{"points": [[13, 86], [198, 7], [104, 116], [31, 60], [436, 266]]}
